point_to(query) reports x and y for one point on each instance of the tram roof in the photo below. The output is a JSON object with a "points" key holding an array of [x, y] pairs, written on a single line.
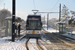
{"points": [[34, 15]]}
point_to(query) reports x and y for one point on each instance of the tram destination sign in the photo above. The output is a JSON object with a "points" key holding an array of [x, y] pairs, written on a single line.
{"points": [[33, 18]]}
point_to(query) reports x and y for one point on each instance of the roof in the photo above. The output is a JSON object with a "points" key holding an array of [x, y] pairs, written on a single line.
{"points": [[61, 23], [36, 16], [11, 17]]}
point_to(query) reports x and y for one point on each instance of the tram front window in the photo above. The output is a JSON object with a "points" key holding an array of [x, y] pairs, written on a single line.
{"points": [[34, 25]]}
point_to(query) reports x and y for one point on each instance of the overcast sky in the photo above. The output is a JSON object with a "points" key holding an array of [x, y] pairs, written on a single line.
{"points": [[24, 7]]}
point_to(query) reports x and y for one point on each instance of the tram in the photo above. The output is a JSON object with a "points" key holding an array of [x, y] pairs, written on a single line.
{"points": [[33, 26]]}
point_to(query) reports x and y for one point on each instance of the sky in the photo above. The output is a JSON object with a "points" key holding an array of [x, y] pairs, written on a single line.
{"points": [[25, 7]]}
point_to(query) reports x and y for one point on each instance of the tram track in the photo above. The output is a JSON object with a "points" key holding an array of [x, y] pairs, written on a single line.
{"points": [[59, 43], [65, 41], [39, 46], [54, 42], [27, 44], [58, 37]]}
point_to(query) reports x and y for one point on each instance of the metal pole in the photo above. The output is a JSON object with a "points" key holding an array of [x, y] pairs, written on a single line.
{"points": [[4, 5], [44, 20], [59, 16], [13, 20], [47, 20], [60, 13]]}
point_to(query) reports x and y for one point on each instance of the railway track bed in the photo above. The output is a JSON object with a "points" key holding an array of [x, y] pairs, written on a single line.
{"points": [[33, 44]]}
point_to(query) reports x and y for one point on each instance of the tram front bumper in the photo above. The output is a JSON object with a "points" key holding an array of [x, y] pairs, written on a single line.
{"points": [[33, 35]]}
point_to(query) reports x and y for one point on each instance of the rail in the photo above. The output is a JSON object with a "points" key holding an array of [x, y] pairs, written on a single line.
{"points": [[37, 42], [38, 45], [27, 44]]}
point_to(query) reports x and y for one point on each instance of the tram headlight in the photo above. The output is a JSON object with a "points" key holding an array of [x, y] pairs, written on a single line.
{"points": [[39, 32], [27, 31]]}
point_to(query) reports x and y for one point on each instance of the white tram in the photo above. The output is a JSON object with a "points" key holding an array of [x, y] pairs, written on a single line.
{"points": [[33, 26]]}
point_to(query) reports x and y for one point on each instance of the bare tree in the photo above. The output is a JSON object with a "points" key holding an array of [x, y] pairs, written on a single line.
{"points": [[52, 22], [3, 14], [65, 12], [43, 20]]}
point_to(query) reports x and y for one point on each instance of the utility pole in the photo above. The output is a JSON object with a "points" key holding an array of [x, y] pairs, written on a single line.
{"points": [[4, 5], [44, 20], [47, 20], [60, 13], [13, 20]]}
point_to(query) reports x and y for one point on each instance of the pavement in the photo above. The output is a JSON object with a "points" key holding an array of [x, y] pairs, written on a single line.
{"points": [[22, 35], [8, 38]]}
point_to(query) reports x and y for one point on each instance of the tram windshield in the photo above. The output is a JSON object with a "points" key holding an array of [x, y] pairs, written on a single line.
{"points": [[33, 24]]}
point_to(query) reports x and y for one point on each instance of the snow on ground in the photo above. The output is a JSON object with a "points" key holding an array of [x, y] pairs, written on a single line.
{"points": [[8, 45], [71, 35], [3, 40], [50, 29], [12, 46], [73, 32], [32, 44], [17, 45], [20, 45]]}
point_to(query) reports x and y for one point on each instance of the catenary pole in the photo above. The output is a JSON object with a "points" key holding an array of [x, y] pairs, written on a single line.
{"points": [[47, 20], [60, 13], [13, 20]]}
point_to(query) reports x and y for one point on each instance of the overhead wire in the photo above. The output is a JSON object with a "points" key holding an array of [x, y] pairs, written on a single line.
{"points": [[55, 5], [34, 4]]}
